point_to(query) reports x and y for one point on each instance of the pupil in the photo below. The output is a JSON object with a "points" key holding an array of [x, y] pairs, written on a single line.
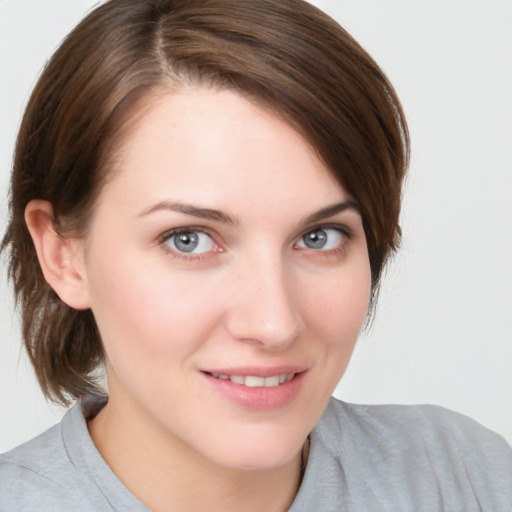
{"points": [[186, 242], [315, 239]]}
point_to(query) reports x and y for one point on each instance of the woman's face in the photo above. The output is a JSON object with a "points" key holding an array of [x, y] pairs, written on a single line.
{"points": [[229, 277]]}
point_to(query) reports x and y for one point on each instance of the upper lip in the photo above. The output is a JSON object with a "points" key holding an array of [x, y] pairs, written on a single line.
{"points": [[258, 371]]}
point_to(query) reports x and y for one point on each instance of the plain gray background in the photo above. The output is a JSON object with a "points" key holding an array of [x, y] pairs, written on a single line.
{"points": [[443, 331]]}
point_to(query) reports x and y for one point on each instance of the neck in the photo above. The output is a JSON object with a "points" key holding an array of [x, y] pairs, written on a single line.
{"points": [[167, 475]]}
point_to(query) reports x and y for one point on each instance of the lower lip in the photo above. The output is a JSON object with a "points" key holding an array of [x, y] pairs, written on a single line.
{"points": [[258, 398]]}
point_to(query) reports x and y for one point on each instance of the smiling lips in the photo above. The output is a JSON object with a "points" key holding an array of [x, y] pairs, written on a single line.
{"points": [[257, 389]]}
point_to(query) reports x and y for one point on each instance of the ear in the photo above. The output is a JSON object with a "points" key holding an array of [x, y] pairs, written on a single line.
{"points": [[61, 259]]}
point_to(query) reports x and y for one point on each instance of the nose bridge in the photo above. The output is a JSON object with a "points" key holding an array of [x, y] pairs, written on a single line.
{"points": [[264, 307]]}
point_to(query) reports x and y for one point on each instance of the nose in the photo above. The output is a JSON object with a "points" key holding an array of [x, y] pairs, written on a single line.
{"points": [[264, 308]]}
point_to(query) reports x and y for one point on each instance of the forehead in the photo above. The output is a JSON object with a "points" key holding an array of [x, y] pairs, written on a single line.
{"points": [[215, 146]]}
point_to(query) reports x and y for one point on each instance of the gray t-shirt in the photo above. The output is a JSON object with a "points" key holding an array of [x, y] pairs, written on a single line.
{"points": [[362, 458]]}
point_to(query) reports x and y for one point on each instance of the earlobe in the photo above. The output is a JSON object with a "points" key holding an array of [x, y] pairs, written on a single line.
{"points": [[60, 258]]}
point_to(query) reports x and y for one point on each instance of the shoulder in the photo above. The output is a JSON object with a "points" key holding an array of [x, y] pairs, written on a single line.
{"points": [[31, 475], [60, 470], [425, 425], [24, 490], [425, 448]]}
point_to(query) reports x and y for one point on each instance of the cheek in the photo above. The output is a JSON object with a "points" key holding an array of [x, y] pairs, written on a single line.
{"points": [[143, 312], [338, 305], [336, 308]]}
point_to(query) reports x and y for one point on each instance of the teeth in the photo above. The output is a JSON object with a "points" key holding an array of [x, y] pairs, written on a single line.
{"points": [[252, 381], [220, 376], [237, 379], [272, 382]]}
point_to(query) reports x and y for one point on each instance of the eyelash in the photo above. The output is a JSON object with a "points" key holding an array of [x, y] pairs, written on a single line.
{"points": [[336, 251]]}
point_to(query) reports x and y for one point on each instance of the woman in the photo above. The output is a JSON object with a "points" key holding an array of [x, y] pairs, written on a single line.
{"points": [[204, 196]]}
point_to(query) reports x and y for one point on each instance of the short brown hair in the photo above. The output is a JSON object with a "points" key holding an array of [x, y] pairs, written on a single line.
{"points": [[284, 54]]}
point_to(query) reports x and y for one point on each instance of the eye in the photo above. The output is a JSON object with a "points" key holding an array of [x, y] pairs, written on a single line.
{"points": [[321, 238], [190, 242]]}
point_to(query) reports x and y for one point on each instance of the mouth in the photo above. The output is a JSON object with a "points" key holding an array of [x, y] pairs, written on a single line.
{"points": [[258, 389], [254, 381]]}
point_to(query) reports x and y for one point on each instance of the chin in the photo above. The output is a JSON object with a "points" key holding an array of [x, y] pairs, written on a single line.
{"points": [[257, 460], [252, 451]]}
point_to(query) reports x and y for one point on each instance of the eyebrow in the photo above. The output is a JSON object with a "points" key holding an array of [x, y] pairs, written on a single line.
{"points": [[188, 209], [220, 216], [331, 210]]}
